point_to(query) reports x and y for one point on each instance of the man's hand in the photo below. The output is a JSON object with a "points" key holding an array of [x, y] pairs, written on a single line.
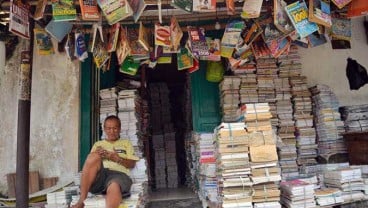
{"points": [[102, 152]]}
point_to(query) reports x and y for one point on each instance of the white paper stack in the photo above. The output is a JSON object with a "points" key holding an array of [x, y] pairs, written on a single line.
{"points": [[297, 193], [230, 98], [355, 118], [328, 196], [328, 123], [108, 104], [139, 189], [61, 199]]}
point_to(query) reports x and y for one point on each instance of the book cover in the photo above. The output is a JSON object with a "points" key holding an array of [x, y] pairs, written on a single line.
{"points": [[40, 9], [122, 49], [144, 37], [278, 47], [230, 38], [319, 12], [18, 19], [89, 10], [115, 10], [186, 5], [162, 35], [184, 59], [298, 14], [204, 5], [341, 3], [316, 39], [357, 8], [214, 46], [176, 34], [70, 46], [198, 44], [100, 54], [113, 36], [129, 66], [63, 10], [80, 46], [280, 17], [341, 28], [136, 50], [138, 7], [251, 9], [195, 66], [58, 30], [43, 42]]}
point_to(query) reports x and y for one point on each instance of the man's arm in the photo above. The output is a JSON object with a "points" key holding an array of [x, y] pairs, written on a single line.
{"points": [[113, 156]]}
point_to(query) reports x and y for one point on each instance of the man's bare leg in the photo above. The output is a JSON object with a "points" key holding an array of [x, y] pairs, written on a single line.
{"points": [[113, 195], [89, 173]]}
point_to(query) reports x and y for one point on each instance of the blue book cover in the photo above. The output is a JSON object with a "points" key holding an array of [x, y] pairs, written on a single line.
{"points": [[298, 14], [58, 30]]}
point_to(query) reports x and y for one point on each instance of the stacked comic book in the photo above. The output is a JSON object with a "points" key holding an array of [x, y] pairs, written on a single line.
{"points": [[355, 118], [233, 168], [328, 123], [229, 98], [297, 193], [108, 103]]}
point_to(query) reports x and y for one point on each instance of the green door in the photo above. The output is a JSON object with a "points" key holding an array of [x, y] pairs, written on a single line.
{"points": [[205, 101]]}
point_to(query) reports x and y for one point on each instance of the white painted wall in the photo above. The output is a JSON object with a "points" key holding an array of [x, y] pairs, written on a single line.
{"points": [[322, 65], [54, 117]]}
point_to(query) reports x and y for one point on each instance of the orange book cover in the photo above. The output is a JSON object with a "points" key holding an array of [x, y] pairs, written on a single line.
{"points": [[89, 10]]}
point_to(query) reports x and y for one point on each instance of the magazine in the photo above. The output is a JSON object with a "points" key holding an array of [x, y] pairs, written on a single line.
{"points": [[162, 35], [298, 14], [89, 10], [186, 5], [184, 59], [280, 17], [19, 22], [204, 5], [341, 3], [122, 49], [43, 42], [58, 30], [63, 10], [113, 37], [115, 10], [197, 42], [230, 38], [138, 7], [251, 9], [144, 37], [176, 34], [319, 12]]}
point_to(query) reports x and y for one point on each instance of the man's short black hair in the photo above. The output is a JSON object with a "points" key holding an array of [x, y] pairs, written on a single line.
{"points": [[113, 117]]}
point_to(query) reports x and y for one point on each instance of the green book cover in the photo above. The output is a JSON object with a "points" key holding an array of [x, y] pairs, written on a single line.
{"points": [[63, 10]]}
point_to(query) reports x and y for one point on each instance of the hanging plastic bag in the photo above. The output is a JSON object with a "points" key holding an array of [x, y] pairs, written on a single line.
{"points": [[356, 73], [215, 71]]}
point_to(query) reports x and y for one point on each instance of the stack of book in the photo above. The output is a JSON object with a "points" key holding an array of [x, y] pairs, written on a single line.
{"points": [[139, 190], [230, 98], [290, 64], [257, 116], [232, 149], [348, 180], [248, 89], [143, 116], [61, 199], [328, 196], [108, 103], [328, 123], [171, 163], [297, 193], [355, 118]]}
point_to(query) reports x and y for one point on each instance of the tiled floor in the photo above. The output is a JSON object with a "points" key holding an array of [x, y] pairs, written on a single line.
{"points": [[172, 194]]}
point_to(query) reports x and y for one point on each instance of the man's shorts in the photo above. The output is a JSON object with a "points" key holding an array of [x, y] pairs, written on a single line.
{"points": [[106, 176]]}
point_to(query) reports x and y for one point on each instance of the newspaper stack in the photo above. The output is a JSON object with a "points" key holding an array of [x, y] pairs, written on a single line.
{"points": [[328, 196], [290, 64], [348, 180], [206, 167], [108, 104], [232, 149], [257, 116], [143, 117], [248, 89], [139, 189], [171, 164], [61, 199], [355, 118], [297, 193], [364, 170], [230, 98], [322, 168], [328, 123]]}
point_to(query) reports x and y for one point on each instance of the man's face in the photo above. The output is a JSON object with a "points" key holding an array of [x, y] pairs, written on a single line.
{"points": [[112, 129]]}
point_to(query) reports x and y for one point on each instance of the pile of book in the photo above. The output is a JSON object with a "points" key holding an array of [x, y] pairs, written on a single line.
{"points": [[230, 98], [232, 149], [355, 118], [328, 123], [328, 196], [108, 103], [143, 117], [266, 73], [139, 190], [171, 163], [348, 180], [61, 199], [248, 89], [297, 193]]}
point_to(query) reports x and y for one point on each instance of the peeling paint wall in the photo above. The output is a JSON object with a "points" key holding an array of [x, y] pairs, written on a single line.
{"points": [[54, 117]]}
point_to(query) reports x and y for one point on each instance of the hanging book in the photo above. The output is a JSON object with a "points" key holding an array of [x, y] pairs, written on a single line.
{"points": [[197, 41], [18, 19], [89, 10], [113, 37], [80, 47], [251, 9], [184, 59], [176, 34], [280, 17], [138, 7], [43, 42], [137, 52], [230, 38], [186, 5], [129, 66], [162, 35], [204, 5], [63, 10], [298, 14], [122, 49], [115, 10], [40, 9], [341, 3], [100, 55], [70, 46], [214, 46], [144, 37], [58, 30], [319, 12]]}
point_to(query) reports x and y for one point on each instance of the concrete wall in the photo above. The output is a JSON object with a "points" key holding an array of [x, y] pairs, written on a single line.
{"points": [[322, 65], [54, 117]]}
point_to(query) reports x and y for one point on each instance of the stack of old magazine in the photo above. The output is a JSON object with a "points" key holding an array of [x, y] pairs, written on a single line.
{"points": [[232, 149], [108, 103], [139, 189], [297, 193], [355, 118], [256, 116], [348, 180], [61, 199], [290, 64], [230, 98], [205, 167], [328, 123], [248, 89], [171, 164], [143, 117], [328, 196]]}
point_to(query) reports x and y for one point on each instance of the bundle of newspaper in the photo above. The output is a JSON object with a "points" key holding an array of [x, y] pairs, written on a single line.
{"points": [[355, 118], [61, 199], [290, 63], [256, 116], [348, 180], [248, 89], [328, 123], [328, 196], [108, 104], [297, 193], [232, 149], [230, 98]]}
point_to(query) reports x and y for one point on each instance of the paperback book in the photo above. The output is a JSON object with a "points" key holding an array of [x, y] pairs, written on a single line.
{"points": [[186, 5], [115, 10], [230, 38], [280, 17], [138, 7], [58, 30], [40, 9], [18, 19], [176, 34], [251, 9], [319, 12], [63, 10], [197, 42], [89, 10], [144, 37], [43, 42], [113, 36], [204, 6], [122, 49]]}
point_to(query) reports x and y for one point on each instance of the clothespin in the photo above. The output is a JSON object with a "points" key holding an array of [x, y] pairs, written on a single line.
{"points": [[98, 26]]}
